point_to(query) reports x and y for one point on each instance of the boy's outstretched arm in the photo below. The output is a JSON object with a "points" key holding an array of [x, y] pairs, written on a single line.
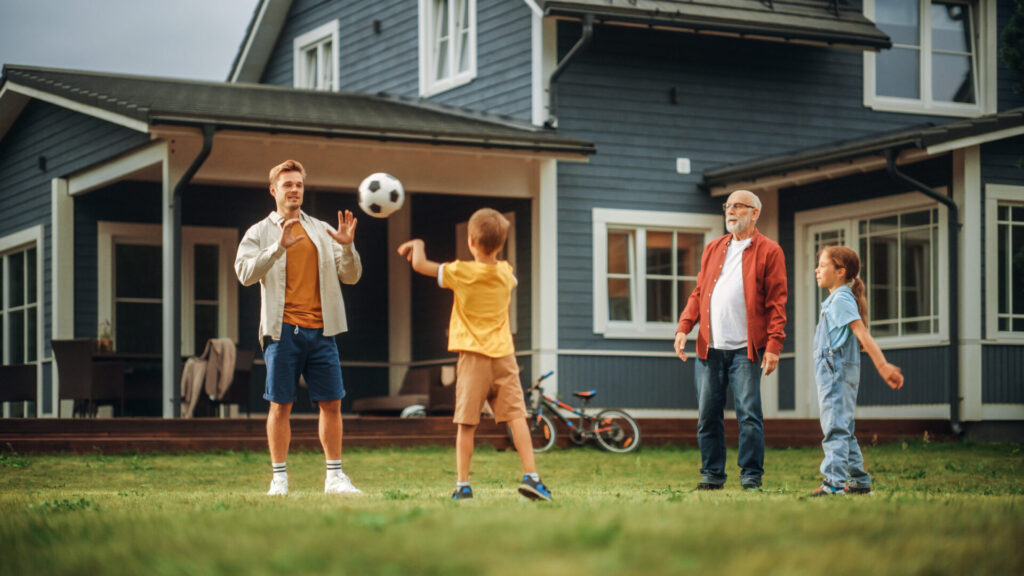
{"points": [[891, 374], [416, 253]]}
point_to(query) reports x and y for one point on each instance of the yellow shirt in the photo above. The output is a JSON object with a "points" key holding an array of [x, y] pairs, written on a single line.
{"points": [[302, 306], [480, 312]]}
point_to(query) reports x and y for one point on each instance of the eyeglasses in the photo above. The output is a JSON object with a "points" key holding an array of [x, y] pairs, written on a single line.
{"points": [[727, 206]]}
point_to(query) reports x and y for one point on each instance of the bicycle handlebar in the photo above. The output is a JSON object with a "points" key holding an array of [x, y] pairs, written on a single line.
{"points": [[550, 372]]}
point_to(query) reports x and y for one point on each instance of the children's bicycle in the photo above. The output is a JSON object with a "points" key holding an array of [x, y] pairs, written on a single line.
{"points": [[613, 430]]}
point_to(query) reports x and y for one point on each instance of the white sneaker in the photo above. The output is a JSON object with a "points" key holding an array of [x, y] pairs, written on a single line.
{"points": [[278, 487], [339, 483]]}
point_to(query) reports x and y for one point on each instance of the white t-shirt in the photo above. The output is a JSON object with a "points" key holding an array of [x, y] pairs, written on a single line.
{"points": [[728, 307]]}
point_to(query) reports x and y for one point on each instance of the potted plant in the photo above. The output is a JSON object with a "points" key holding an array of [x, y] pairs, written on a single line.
{"points": [[104, 341]]}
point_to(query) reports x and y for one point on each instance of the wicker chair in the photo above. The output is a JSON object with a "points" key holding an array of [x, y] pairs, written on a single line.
{"points": [[87, 381]]}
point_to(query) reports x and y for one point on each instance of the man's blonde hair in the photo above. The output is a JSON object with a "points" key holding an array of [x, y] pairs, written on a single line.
{"points": [[286, 166], [488, 229]]}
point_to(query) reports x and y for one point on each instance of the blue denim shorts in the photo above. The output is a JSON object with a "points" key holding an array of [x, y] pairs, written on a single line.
{"points": [[306, 352]]}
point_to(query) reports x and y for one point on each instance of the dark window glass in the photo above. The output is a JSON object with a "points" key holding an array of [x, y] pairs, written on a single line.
{"points": [[919, 327], [1017, 269], [619, 299], [31, 321], [618, 253], [883, 289], [138, 271], [206, 272], [1004, 293], [1003, 213], [205, 325], [922, 218], [1018, 213], [688, 251], [16, 279], [30, 276], [139, 327], [17, 335], [685, 289], [900, 19], [898, 73], [952, 78], [659, 253], [659, 301], [917, 273]]}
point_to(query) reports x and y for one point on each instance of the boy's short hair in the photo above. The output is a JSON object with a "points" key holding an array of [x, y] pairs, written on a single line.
{"points": [[286, 166], [488, 229]]}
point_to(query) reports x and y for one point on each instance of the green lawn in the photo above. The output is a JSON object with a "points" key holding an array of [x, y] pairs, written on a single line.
{"points": [[939, 508]]}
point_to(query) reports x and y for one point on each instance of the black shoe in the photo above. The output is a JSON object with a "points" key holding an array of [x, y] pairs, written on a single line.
{"points": [[708, 486], [859, 490], [463, 493], [534, 489], [751, 486]]}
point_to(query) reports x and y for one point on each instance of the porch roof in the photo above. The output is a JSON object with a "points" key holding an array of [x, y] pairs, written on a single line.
{"points": [[830, 22], [819, 162], [144, 102]]}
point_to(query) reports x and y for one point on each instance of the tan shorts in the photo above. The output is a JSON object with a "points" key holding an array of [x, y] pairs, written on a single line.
{"points": [[480, 379]]}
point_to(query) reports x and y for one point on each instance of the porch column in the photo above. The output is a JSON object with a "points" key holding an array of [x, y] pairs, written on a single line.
{"points": [[62, 276], [399, 300], [967, 194], [545, 277], [174, 168]]}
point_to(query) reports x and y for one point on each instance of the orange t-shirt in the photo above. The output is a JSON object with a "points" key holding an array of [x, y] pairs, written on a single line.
{"points": [[302, 288]]}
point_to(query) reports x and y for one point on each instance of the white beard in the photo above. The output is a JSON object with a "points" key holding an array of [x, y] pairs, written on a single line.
{"points": [[740, 224]]}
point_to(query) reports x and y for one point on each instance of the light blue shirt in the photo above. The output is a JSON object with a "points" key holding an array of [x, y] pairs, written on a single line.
{"points": [[840, 308]]}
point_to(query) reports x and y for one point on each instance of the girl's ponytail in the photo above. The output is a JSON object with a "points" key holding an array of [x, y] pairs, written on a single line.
{"points": [[860, 293]]}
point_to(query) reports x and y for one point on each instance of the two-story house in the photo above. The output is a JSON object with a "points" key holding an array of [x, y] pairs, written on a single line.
{"points": [[889, 126]]}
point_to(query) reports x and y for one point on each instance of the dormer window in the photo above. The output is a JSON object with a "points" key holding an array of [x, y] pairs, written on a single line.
{"points": [[447, 44], [316, 58]]}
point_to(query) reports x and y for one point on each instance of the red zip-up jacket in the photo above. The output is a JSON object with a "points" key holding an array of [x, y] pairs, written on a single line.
{"points": [[764, 291]]}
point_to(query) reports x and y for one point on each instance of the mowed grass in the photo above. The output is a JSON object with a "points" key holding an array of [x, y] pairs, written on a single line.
{"points": [[939, 508]]}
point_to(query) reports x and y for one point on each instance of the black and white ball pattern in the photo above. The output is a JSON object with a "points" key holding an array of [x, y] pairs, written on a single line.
{"points": [[380, 195]]}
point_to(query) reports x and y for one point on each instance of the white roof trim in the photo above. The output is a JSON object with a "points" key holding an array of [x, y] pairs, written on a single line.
{"points": [[533, 6], [975, 140], [78, 107], [259, 44], [116, 169]]}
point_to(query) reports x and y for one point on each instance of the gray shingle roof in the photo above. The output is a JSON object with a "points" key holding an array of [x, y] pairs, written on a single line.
{"points": [[156, 101], [807, 20], [923, 136]]}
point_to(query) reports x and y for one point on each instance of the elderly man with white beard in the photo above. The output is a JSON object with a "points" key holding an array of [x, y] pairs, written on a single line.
{"points": [[740, 306]]}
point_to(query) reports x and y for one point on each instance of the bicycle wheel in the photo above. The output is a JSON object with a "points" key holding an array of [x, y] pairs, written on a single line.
{"points": [[542, 432], [617, 431]]}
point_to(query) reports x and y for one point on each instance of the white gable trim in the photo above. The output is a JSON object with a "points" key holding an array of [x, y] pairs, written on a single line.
{"points": [[259, 44], [77, 107]]}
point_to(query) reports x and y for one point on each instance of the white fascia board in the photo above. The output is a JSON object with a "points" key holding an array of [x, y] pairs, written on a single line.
{"points": [[93, 111], [535, 8], [976, 140], [257, 47], [116, 169]]}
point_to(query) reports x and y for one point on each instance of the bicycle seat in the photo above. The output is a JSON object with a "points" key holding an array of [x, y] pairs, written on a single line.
{"points": [[586, 394]]}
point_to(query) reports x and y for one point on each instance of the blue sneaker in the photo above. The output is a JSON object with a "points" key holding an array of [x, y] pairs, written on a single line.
{"points": [[534, 489], [827, 489], [463, 493]]}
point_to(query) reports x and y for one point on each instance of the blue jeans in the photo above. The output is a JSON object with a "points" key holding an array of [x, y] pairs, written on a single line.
{"points": [[307, 352], [729, 368], [837, 374]]}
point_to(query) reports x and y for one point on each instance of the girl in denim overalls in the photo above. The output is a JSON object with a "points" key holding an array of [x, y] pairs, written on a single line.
{"points": [[837, 369]]}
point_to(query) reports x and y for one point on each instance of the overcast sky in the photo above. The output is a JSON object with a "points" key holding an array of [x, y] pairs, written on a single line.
{"points": [[179, 38]]}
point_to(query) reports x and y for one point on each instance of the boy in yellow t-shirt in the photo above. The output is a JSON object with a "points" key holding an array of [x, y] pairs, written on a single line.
{"points": [[479, 332]]}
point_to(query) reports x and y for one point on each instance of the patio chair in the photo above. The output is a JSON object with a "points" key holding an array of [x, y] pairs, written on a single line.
{"points": [[87, 381]]}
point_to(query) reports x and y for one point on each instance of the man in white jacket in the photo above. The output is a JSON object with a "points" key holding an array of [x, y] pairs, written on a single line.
{"points": [[298, 261]]}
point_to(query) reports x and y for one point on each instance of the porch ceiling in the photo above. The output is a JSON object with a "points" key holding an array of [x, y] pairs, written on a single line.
{"points": [[813, 21]]}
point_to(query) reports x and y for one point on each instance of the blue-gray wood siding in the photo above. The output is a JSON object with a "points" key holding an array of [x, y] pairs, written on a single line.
{"points": [[629, 381], [389, 61], [1002, 374], [69, 142]]}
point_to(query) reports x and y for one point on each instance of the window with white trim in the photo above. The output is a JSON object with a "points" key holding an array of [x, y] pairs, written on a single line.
{"points": [[131, 286], [645, 267], [447, 44], [19, 305], [1004, 251], [937, 61], [899, 266], [315, 60]]}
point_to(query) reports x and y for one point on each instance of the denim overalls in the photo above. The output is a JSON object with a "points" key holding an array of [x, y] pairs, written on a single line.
{"points": [[837, 375]]}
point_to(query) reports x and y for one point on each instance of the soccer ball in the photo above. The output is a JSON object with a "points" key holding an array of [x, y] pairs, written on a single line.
{"points": [[380, 195]]}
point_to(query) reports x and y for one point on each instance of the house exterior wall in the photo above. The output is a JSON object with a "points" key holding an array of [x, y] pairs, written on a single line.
{"points": [[69, 141], [389, 61]]}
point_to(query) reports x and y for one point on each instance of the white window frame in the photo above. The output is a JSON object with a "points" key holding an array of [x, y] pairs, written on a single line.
{"points": [[605, 219], [24, 240], [996, 194], [316, 39], [877, 208], [985, 63], [428, 23], [112, 233]]}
